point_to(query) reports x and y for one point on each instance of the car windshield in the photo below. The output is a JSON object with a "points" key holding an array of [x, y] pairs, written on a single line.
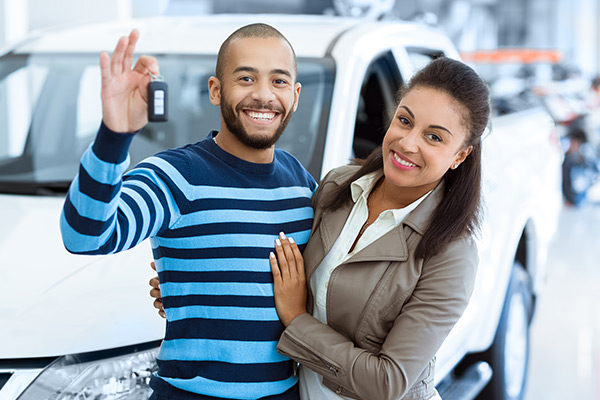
{"points": [[50, 111]]}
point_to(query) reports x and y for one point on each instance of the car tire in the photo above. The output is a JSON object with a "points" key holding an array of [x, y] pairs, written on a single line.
{"points": [[509, 354]]}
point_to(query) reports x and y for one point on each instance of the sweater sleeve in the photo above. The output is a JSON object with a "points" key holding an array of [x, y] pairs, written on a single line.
{"points": [[103, 213]]}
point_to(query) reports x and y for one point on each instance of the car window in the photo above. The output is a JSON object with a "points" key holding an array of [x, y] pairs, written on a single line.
{"points": [[376, 104], [51, 110]]}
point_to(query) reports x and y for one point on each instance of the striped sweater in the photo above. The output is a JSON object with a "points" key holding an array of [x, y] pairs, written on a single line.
{"points": [[212, 219]]}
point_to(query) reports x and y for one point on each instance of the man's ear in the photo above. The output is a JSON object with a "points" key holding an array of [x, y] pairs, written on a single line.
{"points": [[297, 89], [214, 90]]}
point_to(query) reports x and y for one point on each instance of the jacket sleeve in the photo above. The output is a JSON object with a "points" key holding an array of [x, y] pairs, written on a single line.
{"points": [[437, 302], [105, 212]]}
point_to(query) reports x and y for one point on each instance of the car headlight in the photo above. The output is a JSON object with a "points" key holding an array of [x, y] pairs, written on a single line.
{"points": [[98, 376]]}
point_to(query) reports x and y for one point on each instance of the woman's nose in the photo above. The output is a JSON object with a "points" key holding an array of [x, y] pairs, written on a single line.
{"points": [[409, 141]]}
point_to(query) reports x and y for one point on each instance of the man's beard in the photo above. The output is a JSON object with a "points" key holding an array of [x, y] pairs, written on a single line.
{"points": [[234, 124]]}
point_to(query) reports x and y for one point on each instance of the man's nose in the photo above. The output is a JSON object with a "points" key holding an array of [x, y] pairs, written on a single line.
{"points": [[263, 91]]}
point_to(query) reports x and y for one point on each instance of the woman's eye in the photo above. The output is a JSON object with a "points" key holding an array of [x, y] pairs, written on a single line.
{"points": [[434, 137], [403, 121]]}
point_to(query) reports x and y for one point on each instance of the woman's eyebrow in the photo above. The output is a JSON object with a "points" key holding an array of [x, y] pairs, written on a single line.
{"points": [[440, 127], [412, 115], [408, 111]]}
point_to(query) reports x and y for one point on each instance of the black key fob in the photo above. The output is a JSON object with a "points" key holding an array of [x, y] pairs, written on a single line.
{"points": [[158, 94]]}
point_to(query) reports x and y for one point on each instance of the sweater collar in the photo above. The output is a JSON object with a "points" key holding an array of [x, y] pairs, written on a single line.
{"points": [[235, 162]]}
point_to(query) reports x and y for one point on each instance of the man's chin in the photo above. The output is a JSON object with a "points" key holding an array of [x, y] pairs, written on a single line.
{"points": [[259, 141]]}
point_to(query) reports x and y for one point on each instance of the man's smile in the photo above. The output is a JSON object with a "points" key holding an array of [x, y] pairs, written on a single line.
{"points": [[261, 117]]}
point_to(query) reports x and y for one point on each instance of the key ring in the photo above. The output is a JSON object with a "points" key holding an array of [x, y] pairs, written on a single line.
{"points": [[156, 78]]}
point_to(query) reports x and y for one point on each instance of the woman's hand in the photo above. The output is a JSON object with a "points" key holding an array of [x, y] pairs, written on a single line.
{"points": [[289, 279], [155, 293]]}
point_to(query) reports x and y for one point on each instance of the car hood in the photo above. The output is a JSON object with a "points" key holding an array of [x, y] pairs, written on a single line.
{"points": [[55, 303]]}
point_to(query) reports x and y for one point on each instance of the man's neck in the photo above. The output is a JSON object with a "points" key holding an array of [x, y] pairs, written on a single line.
{"points": [[228, 142]]}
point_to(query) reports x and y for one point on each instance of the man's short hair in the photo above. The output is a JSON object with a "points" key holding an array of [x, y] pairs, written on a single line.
{"points": [[257, 30]]}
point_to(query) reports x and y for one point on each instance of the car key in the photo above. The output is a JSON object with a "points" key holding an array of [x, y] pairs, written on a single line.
{"points": [[158, 92]]}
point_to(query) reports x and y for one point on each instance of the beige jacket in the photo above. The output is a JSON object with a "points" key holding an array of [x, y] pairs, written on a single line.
{"points": [[387, 312]]}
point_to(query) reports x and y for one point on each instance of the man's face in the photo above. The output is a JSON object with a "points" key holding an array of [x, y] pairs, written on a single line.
{"points": [[258, 92]]}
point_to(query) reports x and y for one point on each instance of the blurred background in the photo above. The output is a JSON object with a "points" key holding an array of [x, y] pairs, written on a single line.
{"points": [[543, 51]]}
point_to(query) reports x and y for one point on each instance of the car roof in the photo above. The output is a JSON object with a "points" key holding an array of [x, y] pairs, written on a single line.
{"points": [[311, 36]]}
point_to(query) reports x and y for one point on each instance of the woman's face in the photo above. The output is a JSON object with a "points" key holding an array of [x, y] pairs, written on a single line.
{"points": [[425, 138]]}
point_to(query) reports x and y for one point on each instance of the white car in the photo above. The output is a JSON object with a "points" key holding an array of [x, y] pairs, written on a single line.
{"points": [[77, 327]]}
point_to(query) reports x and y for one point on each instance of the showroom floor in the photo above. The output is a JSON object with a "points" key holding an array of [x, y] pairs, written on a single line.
{"points": [[565, 336]]}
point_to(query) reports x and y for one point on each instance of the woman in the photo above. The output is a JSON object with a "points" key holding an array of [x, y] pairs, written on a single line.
{"points": [[391, 261]]}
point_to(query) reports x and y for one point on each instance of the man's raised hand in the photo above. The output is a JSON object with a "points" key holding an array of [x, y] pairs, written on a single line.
{"points": [[124, 90]]}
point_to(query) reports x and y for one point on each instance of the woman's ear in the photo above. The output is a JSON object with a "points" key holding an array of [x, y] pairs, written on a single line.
{"points": [[214, 90], [461, 156]]}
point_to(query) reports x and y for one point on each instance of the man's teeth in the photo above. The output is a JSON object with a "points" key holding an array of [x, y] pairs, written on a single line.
{"points": [[261, 116], [404, 162]]}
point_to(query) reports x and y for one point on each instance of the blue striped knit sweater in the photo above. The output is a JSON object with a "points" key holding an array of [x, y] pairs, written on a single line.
{"points": [[212, 219]]}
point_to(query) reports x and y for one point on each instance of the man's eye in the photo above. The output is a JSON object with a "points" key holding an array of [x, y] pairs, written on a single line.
{"points": [[246, 79], [279, 81]]}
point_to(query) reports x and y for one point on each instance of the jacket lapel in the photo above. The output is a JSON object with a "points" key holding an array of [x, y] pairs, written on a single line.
{"points": [[393, 245], [390, 247]]}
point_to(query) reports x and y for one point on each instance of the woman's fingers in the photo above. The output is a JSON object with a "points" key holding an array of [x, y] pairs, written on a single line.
{"points": [[289, 254], [155, 283], [159, 306], [274, 267], [298, 257], [284, 266], [290, 258], [155, 293]]}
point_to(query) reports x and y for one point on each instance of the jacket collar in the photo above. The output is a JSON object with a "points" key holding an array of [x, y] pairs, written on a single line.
{"points": [[390, 247]]}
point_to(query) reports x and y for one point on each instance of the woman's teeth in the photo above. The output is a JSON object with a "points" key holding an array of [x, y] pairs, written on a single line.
{"points": [[403, 162]]}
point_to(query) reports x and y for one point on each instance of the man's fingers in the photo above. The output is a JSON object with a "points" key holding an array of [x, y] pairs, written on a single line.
{"points": [[128, 57], [145, 64], [116, 61], [152, 265], [105, 66]]}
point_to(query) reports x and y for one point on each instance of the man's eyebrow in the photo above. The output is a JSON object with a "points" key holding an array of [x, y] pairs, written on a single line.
{"points": [[245, 69], [276, 71], [281, 72], [408, 110]]}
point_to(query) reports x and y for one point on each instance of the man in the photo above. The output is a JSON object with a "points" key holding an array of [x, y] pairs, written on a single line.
{"points": [[212, 211]]}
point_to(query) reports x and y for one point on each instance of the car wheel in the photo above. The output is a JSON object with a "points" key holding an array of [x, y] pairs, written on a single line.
{"points": [[509, 354]]}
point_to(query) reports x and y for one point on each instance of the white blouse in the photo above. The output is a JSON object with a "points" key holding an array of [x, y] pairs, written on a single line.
{"points": [[311, 386]]}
